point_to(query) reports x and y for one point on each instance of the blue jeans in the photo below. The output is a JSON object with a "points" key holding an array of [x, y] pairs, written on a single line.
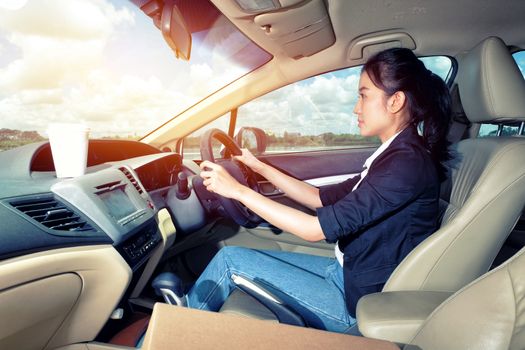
{"points": [[311, 285]]}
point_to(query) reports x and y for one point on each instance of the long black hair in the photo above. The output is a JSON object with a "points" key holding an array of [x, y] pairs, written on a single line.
{"points": [[427, 95]]}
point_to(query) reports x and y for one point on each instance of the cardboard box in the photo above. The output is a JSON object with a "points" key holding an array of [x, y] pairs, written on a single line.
{"points": [[173, 327]]}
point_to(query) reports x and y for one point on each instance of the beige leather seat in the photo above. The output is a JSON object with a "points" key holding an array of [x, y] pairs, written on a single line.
{"points": [[487, 314], [485, 194]]}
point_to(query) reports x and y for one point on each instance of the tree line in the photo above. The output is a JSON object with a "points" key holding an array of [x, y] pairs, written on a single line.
{"points": [[10, 138], [291, 139]]}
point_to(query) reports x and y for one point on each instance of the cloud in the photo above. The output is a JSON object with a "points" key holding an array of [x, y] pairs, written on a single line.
{"points": [[99, 63], [49, 63], [12, 4], [312, 107], [107, 108], [60, 41], [65, 19], [59, 74], [41, 97], [126, 107]]}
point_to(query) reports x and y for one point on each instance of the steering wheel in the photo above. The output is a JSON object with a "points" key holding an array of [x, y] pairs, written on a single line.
{"points": [[235, 209]]}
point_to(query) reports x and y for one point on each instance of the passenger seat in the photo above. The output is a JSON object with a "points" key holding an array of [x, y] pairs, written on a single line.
{"points": [[487, 314]]}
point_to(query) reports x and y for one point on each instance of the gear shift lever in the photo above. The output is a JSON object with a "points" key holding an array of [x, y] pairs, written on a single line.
{"points": [[183, 190], [171, 288]]}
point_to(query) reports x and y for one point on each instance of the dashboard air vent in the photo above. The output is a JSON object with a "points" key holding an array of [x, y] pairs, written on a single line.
{"points": [[132, 179], [53, 214]]}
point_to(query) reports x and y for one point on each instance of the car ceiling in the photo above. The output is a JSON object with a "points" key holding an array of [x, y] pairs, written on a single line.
{"points": [[438, 27]]}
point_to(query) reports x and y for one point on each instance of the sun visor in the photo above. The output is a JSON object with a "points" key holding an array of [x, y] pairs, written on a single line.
{"points": [[300, 30]]}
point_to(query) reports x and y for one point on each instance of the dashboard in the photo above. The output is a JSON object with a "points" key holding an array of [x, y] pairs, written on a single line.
{"points": [[74, 250], [160, 173], [115, 202]]}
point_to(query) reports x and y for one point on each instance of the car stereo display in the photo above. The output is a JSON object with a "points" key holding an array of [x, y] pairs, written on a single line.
{"points": [[118, 203]]}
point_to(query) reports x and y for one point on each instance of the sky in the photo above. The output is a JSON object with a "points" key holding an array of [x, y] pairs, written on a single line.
{"points": [[104, 64], [98, 62], [520, 60]]}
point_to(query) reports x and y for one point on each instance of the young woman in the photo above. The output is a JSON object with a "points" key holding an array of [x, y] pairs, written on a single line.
{"points": [[376, 218]]}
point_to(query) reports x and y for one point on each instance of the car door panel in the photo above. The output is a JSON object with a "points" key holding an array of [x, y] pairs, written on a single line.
{"points": [[319, 164], [74, 312]]}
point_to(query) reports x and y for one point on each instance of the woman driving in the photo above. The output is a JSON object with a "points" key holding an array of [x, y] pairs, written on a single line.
{"points": [[375, 218]]}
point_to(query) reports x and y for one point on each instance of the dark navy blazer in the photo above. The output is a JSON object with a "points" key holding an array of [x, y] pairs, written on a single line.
{"points": [[393, 209]]}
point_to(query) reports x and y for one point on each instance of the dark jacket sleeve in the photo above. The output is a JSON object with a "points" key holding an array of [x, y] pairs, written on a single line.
{"points": [[392, 181], [330, 194]]}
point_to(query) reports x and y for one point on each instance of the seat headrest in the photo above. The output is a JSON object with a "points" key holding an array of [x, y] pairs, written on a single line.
{"points": [[490, 84]]}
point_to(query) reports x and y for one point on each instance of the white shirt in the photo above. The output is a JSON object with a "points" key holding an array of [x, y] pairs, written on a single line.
{"points": [[338, 253]]}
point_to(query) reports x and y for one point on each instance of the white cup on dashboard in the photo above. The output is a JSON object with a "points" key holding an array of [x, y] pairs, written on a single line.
{"points": [[69, 146]]}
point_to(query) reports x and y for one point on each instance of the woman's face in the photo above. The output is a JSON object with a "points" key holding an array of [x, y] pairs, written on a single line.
{"points": [[371, 110]]}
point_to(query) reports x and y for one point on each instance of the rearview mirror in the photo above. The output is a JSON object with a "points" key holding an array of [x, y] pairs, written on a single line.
{"points": [[175, 31]]}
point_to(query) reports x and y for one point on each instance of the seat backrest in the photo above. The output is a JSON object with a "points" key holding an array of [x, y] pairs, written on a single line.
{"points": [[489, 313], [486, 189]]}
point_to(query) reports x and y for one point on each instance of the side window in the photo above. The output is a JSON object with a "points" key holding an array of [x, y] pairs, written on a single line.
{"points": [[487, 130], [316, 113], [440, 65], [309, 115], [519, 57]]}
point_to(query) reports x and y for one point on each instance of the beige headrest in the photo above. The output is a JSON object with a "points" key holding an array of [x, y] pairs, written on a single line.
{"points": [[490, 84]]}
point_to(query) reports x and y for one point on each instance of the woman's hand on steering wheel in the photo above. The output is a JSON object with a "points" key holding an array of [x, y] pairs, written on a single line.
{"points": [[230, 178], [248, 159], [219, 181]]}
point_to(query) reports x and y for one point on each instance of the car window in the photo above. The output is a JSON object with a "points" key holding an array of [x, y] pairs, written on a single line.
{"points": [[316, 113], [487, 130], [108, 67], [519, 57], [440, 65]]}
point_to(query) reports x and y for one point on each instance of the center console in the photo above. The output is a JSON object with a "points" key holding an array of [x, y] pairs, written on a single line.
{"points": [[113, 199], [136, 249], [116, 201]]}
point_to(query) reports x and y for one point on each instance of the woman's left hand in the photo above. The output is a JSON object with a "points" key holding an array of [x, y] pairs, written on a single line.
{"points": [[218, 180]]}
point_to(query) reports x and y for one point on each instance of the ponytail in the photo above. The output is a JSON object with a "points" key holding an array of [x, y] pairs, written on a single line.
{"points": [[428, 97], [436, 123]]}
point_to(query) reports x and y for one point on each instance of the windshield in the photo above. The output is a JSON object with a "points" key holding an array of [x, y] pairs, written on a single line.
{"points": [[104, 64]]}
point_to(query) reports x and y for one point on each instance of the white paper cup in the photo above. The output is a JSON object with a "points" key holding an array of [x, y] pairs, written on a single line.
{"points": [[69, 146]]}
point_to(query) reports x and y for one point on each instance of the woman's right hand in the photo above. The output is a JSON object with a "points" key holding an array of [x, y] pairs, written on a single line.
{"points": [[249, 160]]}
